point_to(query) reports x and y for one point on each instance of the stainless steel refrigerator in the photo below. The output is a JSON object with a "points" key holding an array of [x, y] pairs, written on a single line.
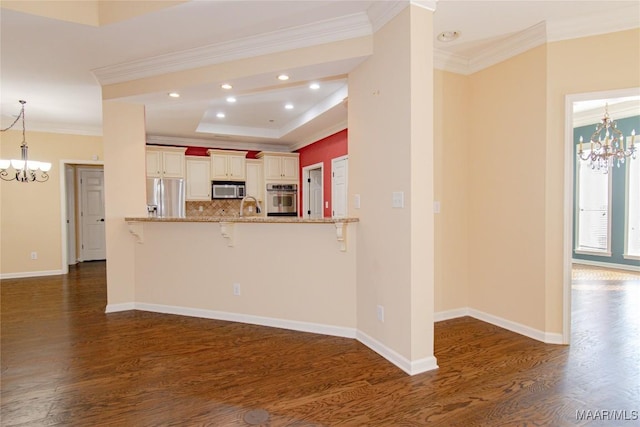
{"points": [[166, 197]]}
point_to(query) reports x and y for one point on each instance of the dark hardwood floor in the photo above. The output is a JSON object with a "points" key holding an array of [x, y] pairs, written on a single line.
{"points": [[66, 362]]}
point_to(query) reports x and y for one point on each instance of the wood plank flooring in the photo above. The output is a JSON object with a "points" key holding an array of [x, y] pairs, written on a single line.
{"points": [[66, 362]]}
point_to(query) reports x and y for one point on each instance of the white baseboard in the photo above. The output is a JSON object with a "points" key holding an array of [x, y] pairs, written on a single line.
{"points": [[606, 264], [22, 275], [518, 328], [410, 367], [294, 325], [450, 314], [125, 306]]}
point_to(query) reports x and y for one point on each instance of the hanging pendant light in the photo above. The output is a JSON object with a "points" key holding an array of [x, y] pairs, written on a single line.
{"points": [[24, 170], [607, 145]]}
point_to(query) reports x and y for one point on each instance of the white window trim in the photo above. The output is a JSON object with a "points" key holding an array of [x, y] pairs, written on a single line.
{"points": [[625, 254], [577, 249]]}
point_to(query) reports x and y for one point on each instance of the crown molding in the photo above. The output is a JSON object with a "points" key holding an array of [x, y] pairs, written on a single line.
{"points": [[493, 54], [614, 20], [210, 143], [381, 12], [322, 32], [509, 47], [425, 4], [594, 116], [451, 62], [63, 128]]}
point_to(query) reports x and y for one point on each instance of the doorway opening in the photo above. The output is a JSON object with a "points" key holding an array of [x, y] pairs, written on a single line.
{"points": [[77, 229], [313, 191], [584, 236]]}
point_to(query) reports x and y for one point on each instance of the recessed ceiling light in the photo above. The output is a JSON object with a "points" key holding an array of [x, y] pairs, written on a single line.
{"points": [[448, 36], [220, 115], [283, 77], [288, 106], [226, 86], [174, 95], [231, 99], [314, 86]]}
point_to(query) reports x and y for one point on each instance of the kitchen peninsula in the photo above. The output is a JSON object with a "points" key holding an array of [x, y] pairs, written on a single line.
{"points": [[287, 272]]}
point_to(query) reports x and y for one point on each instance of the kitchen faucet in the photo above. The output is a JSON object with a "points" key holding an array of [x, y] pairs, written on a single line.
{"points": [[258, 208]]}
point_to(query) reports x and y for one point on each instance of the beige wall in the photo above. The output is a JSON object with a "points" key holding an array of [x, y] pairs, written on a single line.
{"points": [[30, 212], [292, 272], [507, 189], [576, 66], [390, 117], [451, 168], [125, 193], [500, 175], [87, 12]]}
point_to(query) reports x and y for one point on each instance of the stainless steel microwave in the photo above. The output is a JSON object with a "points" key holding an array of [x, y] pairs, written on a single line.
{"points": [[227, 190]]}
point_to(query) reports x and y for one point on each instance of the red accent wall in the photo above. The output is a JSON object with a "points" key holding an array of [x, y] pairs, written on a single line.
{"points": [[202, 151], [323, 151]]}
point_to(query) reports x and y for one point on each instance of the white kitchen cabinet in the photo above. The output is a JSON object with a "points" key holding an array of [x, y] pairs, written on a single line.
{"points": [[255, 179], [228, 165], [280, 167], [198, 180], [165, 162]]}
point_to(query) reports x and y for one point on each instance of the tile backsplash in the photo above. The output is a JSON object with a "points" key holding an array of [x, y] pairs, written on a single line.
{"points": [[216, 207]]}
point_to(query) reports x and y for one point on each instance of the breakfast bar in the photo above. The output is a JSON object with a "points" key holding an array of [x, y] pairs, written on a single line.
{"points": [[227, 224], [288, 272]]}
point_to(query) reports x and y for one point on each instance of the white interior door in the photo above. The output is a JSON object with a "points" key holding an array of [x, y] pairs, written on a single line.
{"points": [[339, 175], [315, 193], [92, 214]]}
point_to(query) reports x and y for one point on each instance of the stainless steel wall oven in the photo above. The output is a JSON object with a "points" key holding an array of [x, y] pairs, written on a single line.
{"points": [[282, 200]]}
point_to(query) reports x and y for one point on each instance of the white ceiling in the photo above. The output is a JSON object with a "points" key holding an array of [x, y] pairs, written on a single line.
{"points": [[58, 66]]}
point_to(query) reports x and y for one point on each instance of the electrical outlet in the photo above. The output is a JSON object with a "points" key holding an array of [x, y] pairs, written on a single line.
{"points": [[236, 289], [380, 313], [34, 255]]}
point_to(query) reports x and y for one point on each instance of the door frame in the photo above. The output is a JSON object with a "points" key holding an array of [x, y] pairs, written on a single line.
{"points": [[64, 267], [72, 255], [569, 177], [306, 175]]}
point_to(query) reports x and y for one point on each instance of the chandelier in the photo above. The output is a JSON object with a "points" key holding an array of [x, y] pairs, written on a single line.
{"points": [[24, 170], [607, 145]]}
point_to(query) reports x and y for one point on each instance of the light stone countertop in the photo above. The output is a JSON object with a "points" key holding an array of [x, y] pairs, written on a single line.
{"points": [[247, 219]]}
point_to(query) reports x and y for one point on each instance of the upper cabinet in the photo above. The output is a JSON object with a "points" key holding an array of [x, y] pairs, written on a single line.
{"points": [[255, 179], [283, 167], [198, 180], [165, 162], [228, 165]]}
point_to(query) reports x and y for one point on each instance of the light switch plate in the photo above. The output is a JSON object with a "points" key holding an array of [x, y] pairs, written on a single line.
{"points": [[356, 201], [397, 199], [436, 207]]}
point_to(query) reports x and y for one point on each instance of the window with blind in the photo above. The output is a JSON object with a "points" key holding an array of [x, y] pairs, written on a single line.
{"points": [[632, 247], [593, 225]]}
